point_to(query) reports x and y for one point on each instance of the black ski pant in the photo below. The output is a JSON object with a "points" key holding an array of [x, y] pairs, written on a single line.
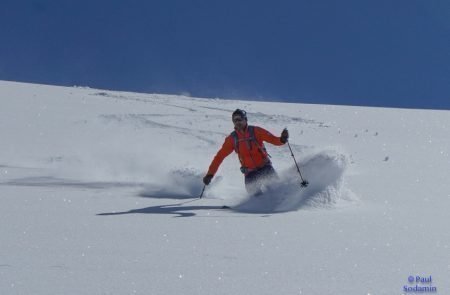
{"points": [[256, 179]]}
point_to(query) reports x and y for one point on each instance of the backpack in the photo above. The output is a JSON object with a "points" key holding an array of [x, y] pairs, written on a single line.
{"points": [[249, 140]]}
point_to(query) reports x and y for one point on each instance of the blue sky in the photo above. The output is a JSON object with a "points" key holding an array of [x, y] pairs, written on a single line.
{"points": [[393, 53]]}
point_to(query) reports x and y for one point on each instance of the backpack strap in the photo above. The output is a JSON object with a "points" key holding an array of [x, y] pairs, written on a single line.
{"points": [[236, 145], [235, 141], [252, 138], [248, 140]]}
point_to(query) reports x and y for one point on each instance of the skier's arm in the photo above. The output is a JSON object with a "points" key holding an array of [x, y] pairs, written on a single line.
{"points": [[226, 149], [265, 135]]}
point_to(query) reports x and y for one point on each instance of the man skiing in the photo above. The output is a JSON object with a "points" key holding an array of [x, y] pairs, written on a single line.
{"points": [[247, 142]]}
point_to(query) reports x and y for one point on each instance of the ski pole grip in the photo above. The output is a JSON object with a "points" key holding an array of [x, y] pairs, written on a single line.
{"points": [[285, 129]]}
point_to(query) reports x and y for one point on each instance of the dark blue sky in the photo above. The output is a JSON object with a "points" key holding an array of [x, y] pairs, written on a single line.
{"points": [[392, 53]]}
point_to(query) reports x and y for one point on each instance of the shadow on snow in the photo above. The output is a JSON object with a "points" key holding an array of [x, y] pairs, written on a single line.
{"points": [[48, 181], [177, 209]]}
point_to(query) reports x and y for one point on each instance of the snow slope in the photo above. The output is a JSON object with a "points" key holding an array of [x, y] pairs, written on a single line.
{"points": [[97, 196]]}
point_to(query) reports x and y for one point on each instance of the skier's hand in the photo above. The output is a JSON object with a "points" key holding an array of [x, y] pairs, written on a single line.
{"points": [[284, 136], [207, 179]]}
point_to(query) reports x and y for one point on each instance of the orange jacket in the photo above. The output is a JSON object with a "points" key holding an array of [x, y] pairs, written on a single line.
{"points": [[251, 155]]}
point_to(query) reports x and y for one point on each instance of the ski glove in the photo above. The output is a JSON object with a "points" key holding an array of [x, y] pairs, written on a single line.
{"points": [[207, 179], [284, 136]]}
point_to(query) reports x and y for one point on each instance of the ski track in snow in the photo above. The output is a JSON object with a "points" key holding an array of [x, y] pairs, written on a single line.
{"points": [[155, 99], [264, 118], [142, 120]]}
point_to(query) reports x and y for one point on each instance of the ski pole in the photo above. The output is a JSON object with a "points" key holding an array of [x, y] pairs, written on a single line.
{"points": [[203, 190], [304, 183]]}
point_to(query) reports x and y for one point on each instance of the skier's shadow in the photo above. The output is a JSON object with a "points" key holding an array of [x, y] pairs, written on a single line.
{"points": [[176, 209]]}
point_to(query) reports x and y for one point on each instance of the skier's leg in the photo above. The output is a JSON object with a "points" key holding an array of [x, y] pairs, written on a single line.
{"points": [[256, 180], [268, 173], [252, 183]]}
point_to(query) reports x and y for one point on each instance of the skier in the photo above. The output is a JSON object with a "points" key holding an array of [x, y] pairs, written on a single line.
{"points": [[247, 142]]}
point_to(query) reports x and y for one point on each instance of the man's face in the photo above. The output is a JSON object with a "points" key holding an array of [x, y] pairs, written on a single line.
{"points": [[239, 122]]}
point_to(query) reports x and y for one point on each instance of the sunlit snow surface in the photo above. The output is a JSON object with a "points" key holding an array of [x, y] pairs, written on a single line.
{"points": [[99, 194]]}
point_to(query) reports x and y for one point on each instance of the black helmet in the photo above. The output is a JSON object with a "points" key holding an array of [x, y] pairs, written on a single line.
{"points": [[239, 112]]}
